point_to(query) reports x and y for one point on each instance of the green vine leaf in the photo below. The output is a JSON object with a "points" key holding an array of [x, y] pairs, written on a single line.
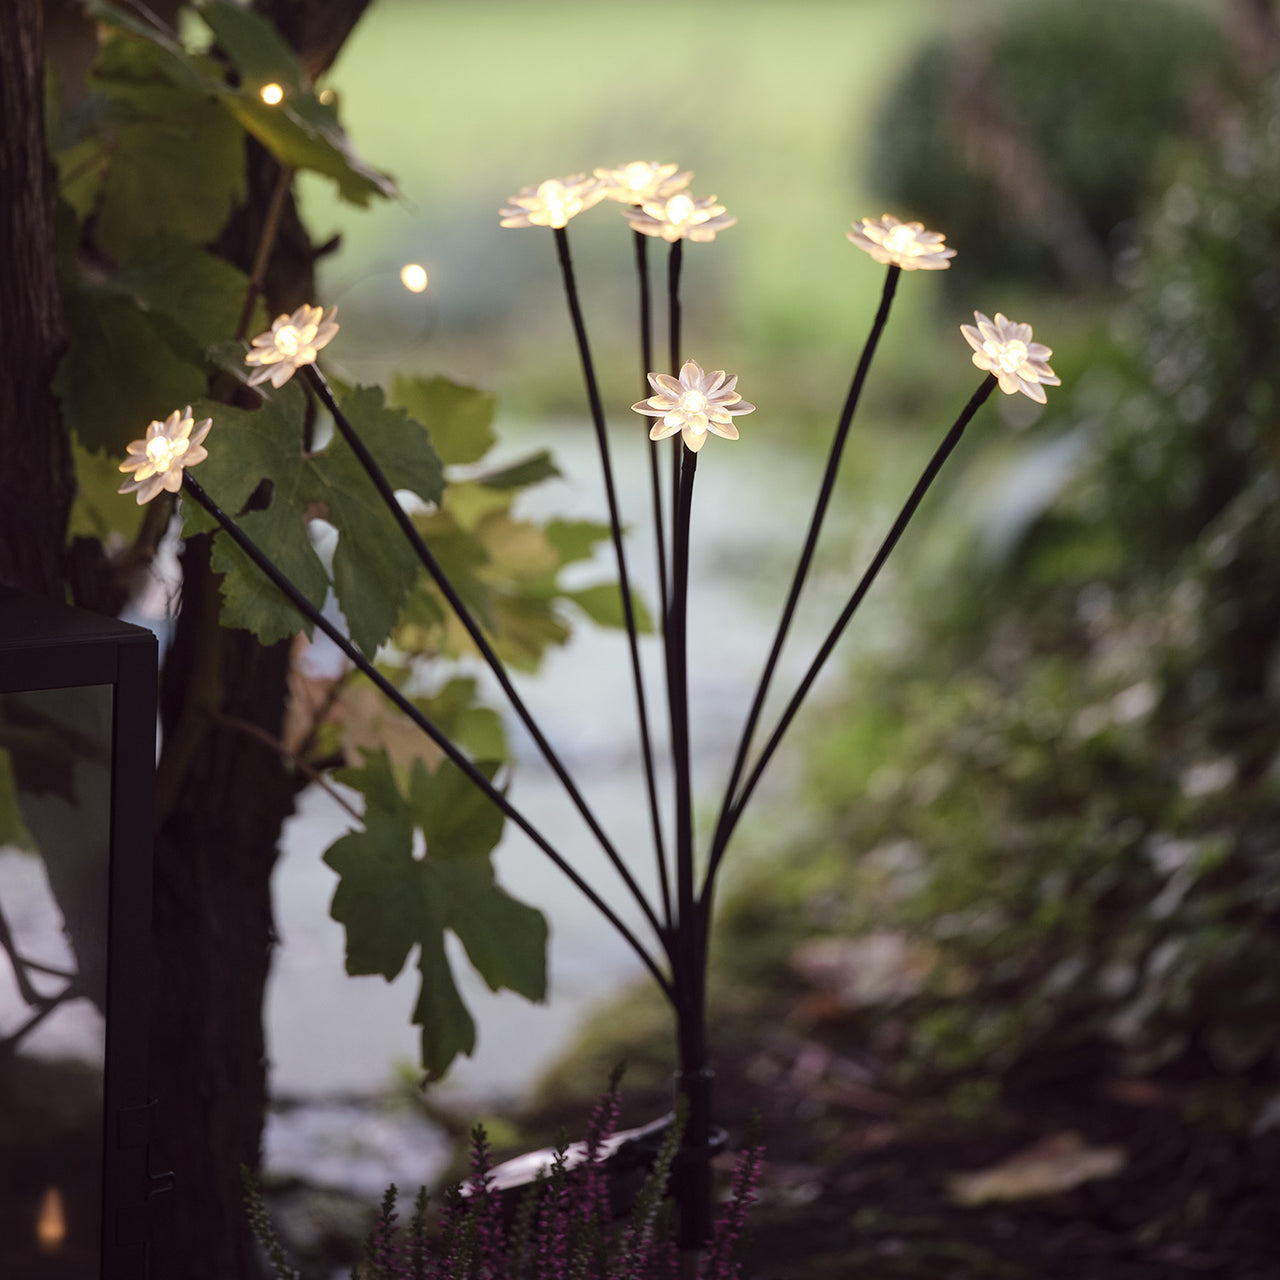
{"points": [[390, 900], [98, 510], [374, 568], [105, 335], [575, 540], [459, 418], [603, 605], [476, 729], [520, 475], [172, 58], [301, 131], [177, 165], [199, 294]]}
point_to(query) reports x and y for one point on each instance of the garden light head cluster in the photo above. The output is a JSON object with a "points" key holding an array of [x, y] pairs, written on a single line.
{"points": [[158, 459], [291, 342], [695, 404], [554, 202], [689, 406], [1006, 350], [902, 244], [642, 180]]}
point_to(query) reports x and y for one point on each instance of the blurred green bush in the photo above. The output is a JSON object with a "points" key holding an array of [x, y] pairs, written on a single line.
{"points": [[1069, 790], [1034, 139]]}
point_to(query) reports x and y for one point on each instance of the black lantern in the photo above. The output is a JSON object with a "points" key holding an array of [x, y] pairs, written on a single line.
{"points": [[77, 773]]}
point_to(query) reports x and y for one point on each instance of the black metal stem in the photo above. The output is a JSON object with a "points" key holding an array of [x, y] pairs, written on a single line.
{"points": [[615, 522], [316, 618], [693, 1181], [646, 367], [655, 488], [677, 649], [810, 543], [375, 473], [675, 259], [941, 454]]}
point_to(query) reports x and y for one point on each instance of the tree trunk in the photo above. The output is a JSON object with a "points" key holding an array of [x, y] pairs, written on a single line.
{"points": [[222, 798], [36, 481]]}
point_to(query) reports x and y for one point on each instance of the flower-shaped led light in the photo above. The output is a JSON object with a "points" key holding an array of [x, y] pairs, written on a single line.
{"points": [[694, 404], [640, 180], [291, 342], [902, 244], [680, 217], [554, 202], [157, 460], [1005, 349]]}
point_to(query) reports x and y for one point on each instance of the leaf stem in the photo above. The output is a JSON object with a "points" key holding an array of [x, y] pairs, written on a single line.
{"points": [[615, 526], [304, 767], [320, 386], [940, 456], [810, 543], [270, 226], [316, 618]]}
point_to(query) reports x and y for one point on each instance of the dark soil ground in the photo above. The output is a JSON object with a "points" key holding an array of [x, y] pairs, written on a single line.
{"points": [[857, 1177], [859, 1168]]}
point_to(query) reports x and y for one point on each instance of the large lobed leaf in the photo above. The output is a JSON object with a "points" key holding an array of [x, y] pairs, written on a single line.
{"points": [[374, 569], [302, 132], [390, 900]]}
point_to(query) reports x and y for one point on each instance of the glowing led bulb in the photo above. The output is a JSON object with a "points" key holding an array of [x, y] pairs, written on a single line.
{"points": [[272, 94], [414, 277], [161, 452], [679, 209], [900, 240], [288, 340]]}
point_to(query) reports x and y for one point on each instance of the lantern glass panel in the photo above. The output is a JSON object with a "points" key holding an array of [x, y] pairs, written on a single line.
{"points": [[55, 837]]}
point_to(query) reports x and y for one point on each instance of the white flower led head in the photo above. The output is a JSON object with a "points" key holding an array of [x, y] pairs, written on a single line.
{"points": [[639, 181], [157, 460], [695, 404], [1005, 349], [680, 217], [902, 244], [291, 342], [554, 202]]}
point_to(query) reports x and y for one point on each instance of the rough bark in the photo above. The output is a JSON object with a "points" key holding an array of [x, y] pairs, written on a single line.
{"points": [[36, 481], [223, 798]]}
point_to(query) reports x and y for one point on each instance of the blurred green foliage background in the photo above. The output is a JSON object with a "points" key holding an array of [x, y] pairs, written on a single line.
{"points": [[1062, 784]]}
